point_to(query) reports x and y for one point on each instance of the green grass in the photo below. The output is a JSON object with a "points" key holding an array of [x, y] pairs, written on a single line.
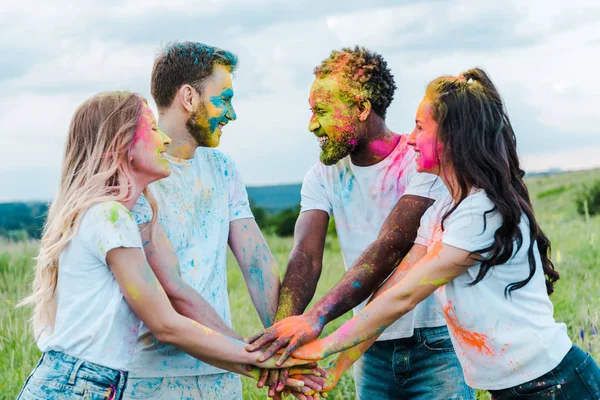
{"points": [[576, 253]]}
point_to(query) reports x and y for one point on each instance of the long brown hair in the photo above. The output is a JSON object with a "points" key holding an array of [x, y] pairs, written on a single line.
{"points": [[95, 169], [481, 146]]}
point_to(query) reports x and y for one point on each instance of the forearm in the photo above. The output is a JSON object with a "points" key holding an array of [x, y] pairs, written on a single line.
{"points": [[372, 267], [263, 284], [393, 242], [258, 266], [367, 325], [204, 343], [190, 304], [299, 284]]}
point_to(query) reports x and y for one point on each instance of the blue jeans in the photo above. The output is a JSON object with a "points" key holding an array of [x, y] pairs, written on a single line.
{"points": [[60, 376], [577, 377], [423, 366]]}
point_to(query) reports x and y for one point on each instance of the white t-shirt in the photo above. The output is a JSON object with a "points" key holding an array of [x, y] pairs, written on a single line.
{"points": [[93, 320], [500, 342], [360, 199], [196, 204]]}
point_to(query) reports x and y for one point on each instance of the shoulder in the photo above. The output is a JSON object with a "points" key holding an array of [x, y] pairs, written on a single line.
{"points": [[477, 209], [110, 211], [213, 155]]}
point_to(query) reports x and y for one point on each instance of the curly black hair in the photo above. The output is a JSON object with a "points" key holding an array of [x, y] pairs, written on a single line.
{"points": [[181, 63], [366, 73]]}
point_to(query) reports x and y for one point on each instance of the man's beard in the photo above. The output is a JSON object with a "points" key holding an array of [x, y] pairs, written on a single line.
{"points": [[335, 151], [200, 134]]}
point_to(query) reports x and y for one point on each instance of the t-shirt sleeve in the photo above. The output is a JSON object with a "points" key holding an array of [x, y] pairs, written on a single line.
{"points": [[239, 206], [469, 227], [424, 232], [314, 191], [141, 211], [109, 226], [424, 185]]}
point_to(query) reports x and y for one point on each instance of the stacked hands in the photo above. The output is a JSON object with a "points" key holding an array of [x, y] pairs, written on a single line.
{"points": [[287, 338]]}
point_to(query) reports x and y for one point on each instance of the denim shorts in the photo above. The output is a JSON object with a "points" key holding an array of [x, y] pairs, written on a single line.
{"points": [[60, 376], [577, 377], [421, 367]]}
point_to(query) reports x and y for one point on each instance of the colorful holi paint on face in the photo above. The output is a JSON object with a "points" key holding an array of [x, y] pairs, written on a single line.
{"points": [[148, 148], [333, 119], [474, 340], [424, 140], [214, 109]]}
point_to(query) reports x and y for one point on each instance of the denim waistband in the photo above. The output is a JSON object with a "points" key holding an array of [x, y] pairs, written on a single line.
{"points": [[75, 367], [420, 334]]}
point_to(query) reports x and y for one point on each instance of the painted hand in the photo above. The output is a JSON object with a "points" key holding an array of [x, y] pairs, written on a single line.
{"points": [[331, 375], [291, 332], [271, 363], [275, 379], [302, 380], [315, 350]]}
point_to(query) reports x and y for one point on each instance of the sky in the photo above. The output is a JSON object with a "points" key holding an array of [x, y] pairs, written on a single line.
{"points": [[543, 55]]}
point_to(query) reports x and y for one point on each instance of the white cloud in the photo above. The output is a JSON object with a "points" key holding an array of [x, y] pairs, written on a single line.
{"points": [[543, 56]]}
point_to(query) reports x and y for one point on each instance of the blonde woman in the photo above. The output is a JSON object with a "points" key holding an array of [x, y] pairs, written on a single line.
{"points": [[92, 283]]}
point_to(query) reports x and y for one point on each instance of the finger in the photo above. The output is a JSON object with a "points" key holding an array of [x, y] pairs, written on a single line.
{"points": [[292, 346], [314, 383], [294, 383], [322, 372], [276, 345], [272, 381], [266, 337], [253, 338], [264, 373], [283, 375], [305, 371]]}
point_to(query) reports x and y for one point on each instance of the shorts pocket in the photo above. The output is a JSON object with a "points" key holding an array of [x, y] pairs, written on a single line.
{"points": [[589, 373], [144, 388]]}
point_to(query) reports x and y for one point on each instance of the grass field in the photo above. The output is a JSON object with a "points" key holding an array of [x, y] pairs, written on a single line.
{"points": [[576, 254]]}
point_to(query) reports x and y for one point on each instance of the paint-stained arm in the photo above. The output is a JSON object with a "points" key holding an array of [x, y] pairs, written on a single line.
{"points": [[439, 266], [376, 263], [258, 266], [337, 366], [304, 264], [163, 260], [148, 300], [299, 284]]}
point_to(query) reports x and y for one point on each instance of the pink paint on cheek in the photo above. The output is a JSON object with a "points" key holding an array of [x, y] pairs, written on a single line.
{"points": [[145, 126]]}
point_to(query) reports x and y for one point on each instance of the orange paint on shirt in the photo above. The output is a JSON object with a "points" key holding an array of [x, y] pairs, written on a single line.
{"points": [[475, 340]]}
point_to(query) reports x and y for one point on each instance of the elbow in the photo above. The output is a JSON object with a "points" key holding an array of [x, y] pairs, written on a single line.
{"points": [[166, 331]]}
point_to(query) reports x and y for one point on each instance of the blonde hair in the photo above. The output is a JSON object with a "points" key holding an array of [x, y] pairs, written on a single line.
{"points": [[95, 170]]}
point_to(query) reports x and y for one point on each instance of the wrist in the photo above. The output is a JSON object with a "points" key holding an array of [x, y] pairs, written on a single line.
{"points": [[319, 314]]}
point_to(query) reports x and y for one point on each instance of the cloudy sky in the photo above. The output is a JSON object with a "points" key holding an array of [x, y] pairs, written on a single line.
{"points": [[544, 56]]}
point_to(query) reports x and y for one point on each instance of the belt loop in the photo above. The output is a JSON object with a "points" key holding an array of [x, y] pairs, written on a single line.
{"points": [[74, 372]]}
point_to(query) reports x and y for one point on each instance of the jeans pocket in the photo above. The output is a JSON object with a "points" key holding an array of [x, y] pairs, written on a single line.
{"points": [[438, 344], [539, 388], [589, 373], [144, 388]]}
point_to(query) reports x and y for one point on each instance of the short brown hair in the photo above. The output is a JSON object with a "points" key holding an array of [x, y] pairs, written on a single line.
{"points": [[181, 63]]}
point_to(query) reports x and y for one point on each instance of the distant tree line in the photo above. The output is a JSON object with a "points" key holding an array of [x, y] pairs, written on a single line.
{"points": [[283, 222], [24, 221]]}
